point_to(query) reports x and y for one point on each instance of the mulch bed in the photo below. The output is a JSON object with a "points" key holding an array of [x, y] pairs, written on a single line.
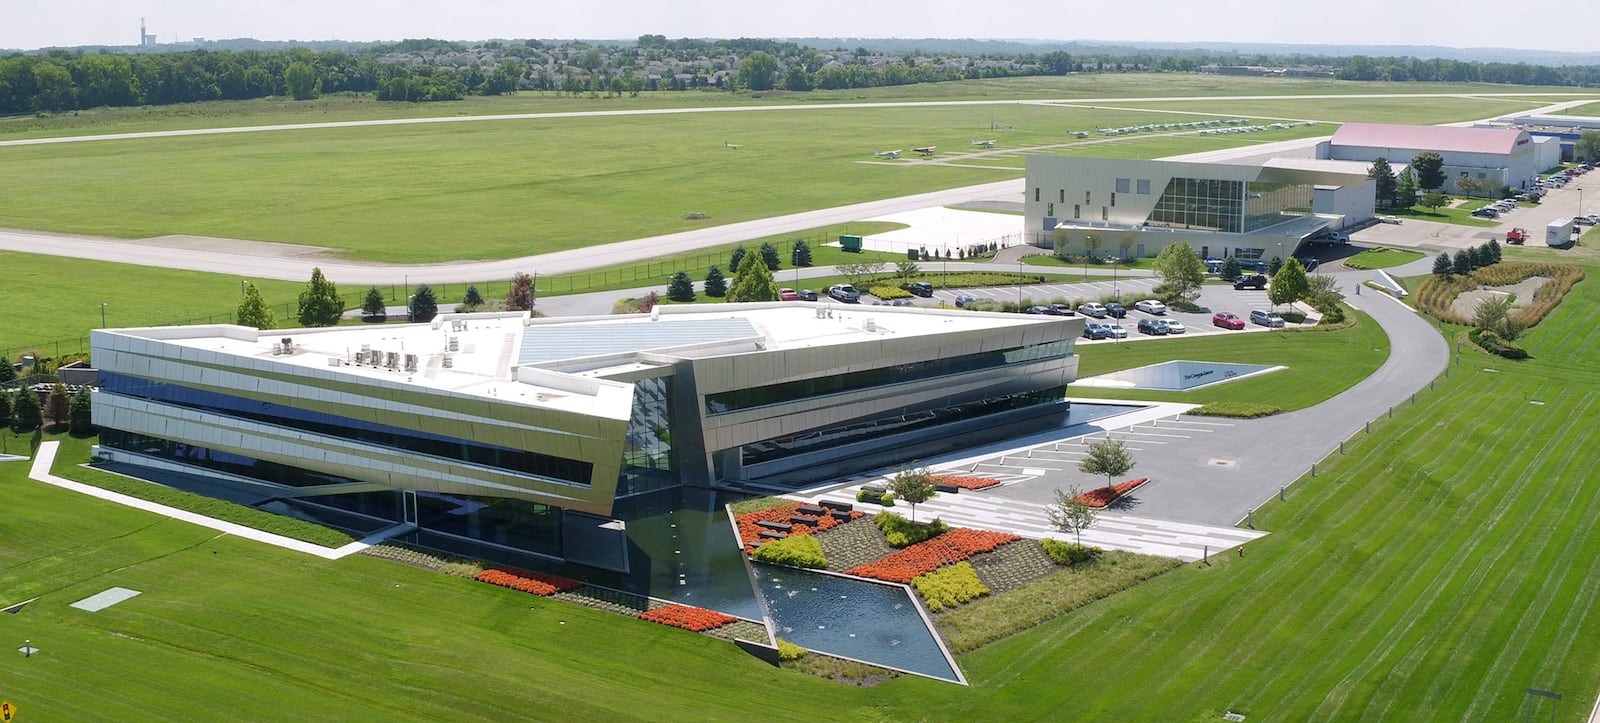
{"points": [[1012, 566], [853, 543]]}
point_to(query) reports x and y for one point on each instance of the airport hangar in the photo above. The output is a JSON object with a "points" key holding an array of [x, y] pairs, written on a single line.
{"points": [[500, 432], [1501, 156], [1563, 130], [1253, 211]]}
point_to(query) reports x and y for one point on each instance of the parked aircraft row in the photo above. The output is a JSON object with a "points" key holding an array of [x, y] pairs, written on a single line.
{"points": [[1169, 126], [926, 151], [1253, 129]]}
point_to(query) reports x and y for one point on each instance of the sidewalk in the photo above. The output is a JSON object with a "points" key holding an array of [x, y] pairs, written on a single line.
{"points": [[47, 457]]}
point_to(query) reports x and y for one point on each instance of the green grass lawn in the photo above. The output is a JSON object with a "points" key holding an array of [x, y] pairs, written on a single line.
{"points": [[1461, 216], [1051, 260], [1320, 363], [1381, 258]]}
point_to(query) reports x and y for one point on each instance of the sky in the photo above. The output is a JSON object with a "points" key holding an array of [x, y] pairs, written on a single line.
{"points": [[1544, 24]]}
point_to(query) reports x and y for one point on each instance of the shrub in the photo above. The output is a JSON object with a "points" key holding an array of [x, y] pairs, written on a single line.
{"points": [[901, 532], [887, 500], [949, 586], [1067, 553], [888, 293], [1242, 410], [788, 651], [794, 551], [1495, 344], [866, 495], [1293, 316]]}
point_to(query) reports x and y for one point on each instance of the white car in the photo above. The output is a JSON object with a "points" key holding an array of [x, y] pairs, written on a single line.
{"points": [[1173, 326], [1151, 306], [1389, 219]]}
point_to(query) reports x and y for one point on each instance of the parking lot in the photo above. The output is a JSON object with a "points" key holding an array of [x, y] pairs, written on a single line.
{"points": [[1582, 193]]}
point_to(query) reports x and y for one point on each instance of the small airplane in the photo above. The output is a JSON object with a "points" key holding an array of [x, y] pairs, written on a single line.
{"points": [[925, 150], [735, 146], [891, 155], [1078, 134], [984, 144]]}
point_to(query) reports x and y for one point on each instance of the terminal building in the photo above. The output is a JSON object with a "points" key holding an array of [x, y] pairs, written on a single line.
{"points": [[1498, 157], [1137, 207], [549, 437]]}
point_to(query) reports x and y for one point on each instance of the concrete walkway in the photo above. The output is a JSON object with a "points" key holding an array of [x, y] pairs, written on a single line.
{"points": [[45, 459]]}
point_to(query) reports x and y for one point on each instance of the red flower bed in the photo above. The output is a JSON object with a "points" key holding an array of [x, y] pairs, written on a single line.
{"points": [[688, 618], [1103, 496], [750, 532], [537, 583], [966, 483], [947, 549]]}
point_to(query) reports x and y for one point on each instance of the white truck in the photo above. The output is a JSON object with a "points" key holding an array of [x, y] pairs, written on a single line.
{"points": [[1558, 233]]}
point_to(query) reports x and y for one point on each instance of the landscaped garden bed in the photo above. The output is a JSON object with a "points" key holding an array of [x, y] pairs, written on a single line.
{"points": [[966, 483], [1104, 496], [689, 618], [853, 543], [528, 581], [951, 547], [751, 527]]}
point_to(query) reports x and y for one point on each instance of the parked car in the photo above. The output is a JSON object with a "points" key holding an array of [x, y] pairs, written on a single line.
{"points": [[1486, 212], [787, 294], [1114, 330], [1152, 326], [1265, 318], [845, 293], [1583, 220], [1151, 306], [1173, 326], [1227, 320], [1389, 219], [1036, 310], [1093, 310], [1115, 310], [1213, 265], [806, 295], [922, 289], [1252, 281], [1061, 310], [1093, 331], [901, 302], [963, 300]]}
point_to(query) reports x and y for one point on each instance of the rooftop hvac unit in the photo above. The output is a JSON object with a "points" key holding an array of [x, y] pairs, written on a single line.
{"points": [[870, 324], [392, 360], [374, 357], [454, 345], [334, 361], [411, 362], [447, 362]]}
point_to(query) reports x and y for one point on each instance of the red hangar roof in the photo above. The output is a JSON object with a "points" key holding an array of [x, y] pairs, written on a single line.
{"points": [[1428, 138]]}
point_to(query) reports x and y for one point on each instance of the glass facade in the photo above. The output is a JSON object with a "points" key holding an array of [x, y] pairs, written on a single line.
{"points": [[647, 463], [1269, 204], [522, 462], [731, 401], [514, 523], [1229, 206], [816, 439]]}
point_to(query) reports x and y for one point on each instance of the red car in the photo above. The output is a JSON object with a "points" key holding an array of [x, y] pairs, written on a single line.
{"points": [[1226, 320], [788, 295]]}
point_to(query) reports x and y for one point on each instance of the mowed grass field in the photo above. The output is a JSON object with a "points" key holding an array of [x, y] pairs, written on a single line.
{"points": [[498, 189]]}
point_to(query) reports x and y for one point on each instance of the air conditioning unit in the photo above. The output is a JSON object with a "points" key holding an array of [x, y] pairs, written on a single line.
{"points": [[411, 362], [454, 345], [392, 360], [447, 362]]}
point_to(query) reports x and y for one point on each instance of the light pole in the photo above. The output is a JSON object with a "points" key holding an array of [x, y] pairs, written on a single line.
{"points": [[102, 314]]}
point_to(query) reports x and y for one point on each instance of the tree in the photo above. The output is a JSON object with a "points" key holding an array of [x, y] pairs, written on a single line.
{"points": [[320, 304], [800, 253], [1464, 263], [1125, 243], [7, 372], [1433, 200], [1071, 515], [1442, 265], [1469, 186], [1231, 270], [424, 304], [301, 80], [6, 398], [520, 296], [373, 307], [913, 487], [906, 269], [1494, 314], [57, 405], [253, 311], [716, 283], [1493, 249], [1383, 174], [681, 288], [1274, 265], [1289, 284], [758, 71], [1109, 457], [472, 300], [769, 255], [752, 281], [1323, 294], [80, 417], [1429, 167], [1587, 147], [738, 256], [1405, 190], [1092, 244], [1181, 270], [26, 409]]}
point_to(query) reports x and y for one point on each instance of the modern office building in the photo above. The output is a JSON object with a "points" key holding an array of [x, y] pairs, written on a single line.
{"points": [[547, 436], [1497, 156], [1136, 207]]}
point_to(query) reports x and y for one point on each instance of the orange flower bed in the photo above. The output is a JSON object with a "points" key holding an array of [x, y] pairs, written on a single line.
{"points": [[966, 483], [688, 618], [527, 581], [947, 549], [750, 531], [1103, 496]]}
